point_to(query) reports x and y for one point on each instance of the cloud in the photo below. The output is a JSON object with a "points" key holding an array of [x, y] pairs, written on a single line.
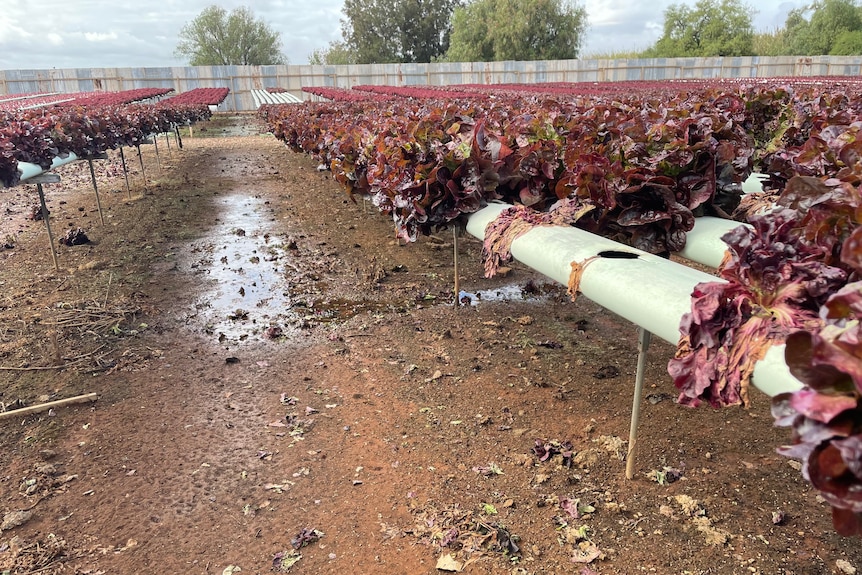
{"points": [[10, 26], [100, 36], [620, 25], [38, 34]]}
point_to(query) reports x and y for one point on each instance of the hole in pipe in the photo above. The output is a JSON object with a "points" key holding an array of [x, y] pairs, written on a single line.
{"points": [[617, 255]]}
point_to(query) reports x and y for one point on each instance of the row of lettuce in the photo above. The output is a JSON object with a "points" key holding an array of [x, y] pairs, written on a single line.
{"points": [[89, 126], [638, 162], [14, 102]]}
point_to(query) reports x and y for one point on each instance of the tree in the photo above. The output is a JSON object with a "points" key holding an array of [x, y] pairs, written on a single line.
{"points": [[380, 31], [770, 43], [711, 28], [216, 38], [335, 53], [493, 30], [814, 29], [848, 43]]}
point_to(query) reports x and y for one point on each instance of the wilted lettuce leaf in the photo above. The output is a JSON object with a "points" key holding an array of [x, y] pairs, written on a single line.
{"points": [[775, 282], [826, 415]]}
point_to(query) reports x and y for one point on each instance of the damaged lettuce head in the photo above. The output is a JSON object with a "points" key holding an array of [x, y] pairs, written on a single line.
{"points": [[826, 414], [777, 275]]}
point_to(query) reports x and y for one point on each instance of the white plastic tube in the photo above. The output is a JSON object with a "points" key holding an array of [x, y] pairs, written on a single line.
{"points": [[754, 183], [29, 170], [264, 97], [649, 291], [703, 243]]}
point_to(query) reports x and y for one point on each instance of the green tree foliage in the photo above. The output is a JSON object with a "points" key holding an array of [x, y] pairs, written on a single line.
{"points": [[380, 31], [710, 28], [770, 43], [817, 28], [334, 54], [848, 43], [493, 30], [217, 38]]}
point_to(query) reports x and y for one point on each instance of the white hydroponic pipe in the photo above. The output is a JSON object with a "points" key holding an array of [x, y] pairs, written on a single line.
{"points": [[703, 242], [754, 183], [648, 290], [18, 97], [29, 170]]}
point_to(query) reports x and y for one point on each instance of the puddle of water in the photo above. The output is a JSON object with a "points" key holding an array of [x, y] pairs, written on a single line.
{"points": [[531, 292], [220, 126], [249, 290], [248, 294]]}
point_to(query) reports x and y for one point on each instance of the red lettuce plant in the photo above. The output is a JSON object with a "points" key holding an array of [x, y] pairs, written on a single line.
{"points": [[649, 165], [39, 135], [826, 414], [205, 96], [777, 276]]}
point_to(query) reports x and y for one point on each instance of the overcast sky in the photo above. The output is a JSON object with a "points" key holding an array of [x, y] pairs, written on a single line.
{"points": [[40, 34]]}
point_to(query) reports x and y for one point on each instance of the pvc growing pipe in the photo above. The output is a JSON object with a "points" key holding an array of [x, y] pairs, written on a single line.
{"points": [[754, 183], [647, 290], [43, 104], [29, 170], [15, 98], [703, 242]]}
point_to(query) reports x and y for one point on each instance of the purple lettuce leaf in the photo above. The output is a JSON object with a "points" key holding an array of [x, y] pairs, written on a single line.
{"points": [[775, 282], [825, 416]]}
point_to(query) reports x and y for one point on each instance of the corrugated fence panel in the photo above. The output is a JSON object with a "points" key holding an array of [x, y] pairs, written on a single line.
{"points": [[243, 79]]}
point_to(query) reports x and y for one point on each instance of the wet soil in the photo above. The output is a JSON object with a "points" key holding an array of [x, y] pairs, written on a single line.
{"points": [[284, 386]]}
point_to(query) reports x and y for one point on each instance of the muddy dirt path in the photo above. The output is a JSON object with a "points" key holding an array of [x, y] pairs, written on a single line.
{"points": [[283, 386]]}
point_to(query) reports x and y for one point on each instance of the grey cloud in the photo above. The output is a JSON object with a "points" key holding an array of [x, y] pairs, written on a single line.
{"points": [[147, 30]]}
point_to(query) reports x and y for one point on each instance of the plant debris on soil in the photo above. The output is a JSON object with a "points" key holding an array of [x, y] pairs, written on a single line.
{"points": [[313, 375]]}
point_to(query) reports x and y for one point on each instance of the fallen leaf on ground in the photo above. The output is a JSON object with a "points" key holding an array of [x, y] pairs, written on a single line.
{"points": [[607, 372], [306, 537], [575, 508], [586, 553], [448, 563], [488, 470], [284, 560]]}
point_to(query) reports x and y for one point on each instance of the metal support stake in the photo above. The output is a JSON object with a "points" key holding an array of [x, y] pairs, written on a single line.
{"points": [[179, 138], [125, 172], [156, 144], [168, 142], [48, 225], [457, 279], [643, 346], [96, 189], [143, 173]]}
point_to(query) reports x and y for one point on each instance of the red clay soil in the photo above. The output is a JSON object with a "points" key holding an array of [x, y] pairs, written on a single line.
{"points": [[284, 387]]}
